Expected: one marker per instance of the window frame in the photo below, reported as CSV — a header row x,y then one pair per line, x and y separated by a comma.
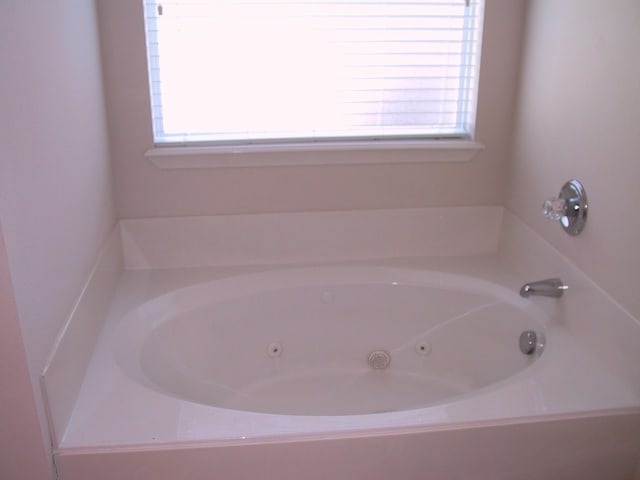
x,y
442,147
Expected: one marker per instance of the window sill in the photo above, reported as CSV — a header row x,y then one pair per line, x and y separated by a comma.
x,y
228,156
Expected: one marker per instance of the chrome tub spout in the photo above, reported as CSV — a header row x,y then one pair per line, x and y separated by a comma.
x,y
551,287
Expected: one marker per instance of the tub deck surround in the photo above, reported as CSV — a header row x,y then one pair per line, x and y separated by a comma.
x,y
66,368
587,448
581,395
114,410
305,237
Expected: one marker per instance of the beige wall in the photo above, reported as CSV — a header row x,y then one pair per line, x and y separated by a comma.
x,y
22,452
577,117
55,181
142,190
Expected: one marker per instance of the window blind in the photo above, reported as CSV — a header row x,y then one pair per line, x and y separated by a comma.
x,y
247,71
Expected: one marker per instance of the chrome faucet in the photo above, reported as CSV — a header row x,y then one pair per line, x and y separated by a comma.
x,y
551,287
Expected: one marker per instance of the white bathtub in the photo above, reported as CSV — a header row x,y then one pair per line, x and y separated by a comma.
x,y
196,363
251,371
305,341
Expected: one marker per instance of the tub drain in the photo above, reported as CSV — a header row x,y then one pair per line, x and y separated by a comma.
x,y
379,359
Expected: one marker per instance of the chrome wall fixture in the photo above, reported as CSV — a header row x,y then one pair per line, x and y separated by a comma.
x,y
570,207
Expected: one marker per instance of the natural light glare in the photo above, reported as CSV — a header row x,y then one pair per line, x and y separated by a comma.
x,y
250,70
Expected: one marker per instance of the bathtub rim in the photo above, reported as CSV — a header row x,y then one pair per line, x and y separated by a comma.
x,y
342,434
235,287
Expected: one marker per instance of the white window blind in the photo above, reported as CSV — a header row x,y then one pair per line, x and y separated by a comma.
x,y
247,71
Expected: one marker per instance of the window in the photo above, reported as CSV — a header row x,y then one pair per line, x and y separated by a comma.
x,y
258,71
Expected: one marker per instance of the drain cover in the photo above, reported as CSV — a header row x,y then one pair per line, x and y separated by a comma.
x,y
379,359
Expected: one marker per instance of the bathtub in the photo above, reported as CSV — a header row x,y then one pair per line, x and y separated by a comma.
x,y
329,341
395,367
269,362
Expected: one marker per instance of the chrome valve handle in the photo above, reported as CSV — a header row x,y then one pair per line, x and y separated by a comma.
x,y
570,207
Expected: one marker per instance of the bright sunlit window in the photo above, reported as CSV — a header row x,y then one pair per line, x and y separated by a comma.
x,y
258,71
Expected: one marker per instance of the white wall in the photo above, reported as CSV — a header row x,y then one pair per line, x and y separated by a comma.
x,y
55,181
142,190
577,117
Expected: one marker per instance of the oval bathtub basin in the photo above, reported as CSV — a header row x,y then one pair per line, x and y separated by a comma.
x,y
328,340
